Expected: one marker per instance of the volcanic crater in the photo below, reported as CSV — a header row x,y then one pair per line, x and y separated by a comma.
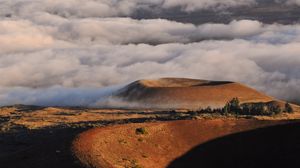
x,y
183,93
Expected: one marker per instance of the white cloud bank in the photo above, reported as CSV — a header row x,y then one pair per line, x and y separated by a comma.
x,y
267,67
109,8
45,32
59,53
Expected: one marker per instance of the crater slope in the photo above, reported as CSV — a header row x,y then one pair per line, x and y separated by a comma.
x,y
160,145
186,93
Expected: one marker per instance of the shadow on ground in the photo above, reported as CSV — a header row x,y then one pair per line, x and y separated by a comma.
x,y
276,146
51,147
47,148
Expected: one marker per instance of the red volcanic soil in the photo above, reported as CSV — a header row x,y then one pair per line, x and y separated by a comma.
x,y
186,93
120,146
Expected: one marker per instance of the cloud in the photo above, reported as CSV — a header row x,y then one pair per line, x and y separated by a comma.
x,y
24,35
58,96
291,2
237,60
109,8
65,52
193,5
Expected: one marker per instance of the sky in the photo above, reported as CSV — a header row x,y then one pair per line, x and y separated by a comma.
x,y
76,52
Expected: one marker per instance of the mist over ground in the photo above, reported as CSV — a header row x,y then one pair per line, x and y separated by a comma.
x,y
70,53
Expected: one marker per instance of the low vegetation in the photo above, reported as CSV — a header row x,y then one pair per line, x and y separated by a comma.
x,y
270,108
288,108
141,131
261,109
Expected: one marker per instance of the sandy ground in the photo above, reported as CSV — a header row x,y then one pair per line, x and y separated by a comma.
x,y
120,146
33,117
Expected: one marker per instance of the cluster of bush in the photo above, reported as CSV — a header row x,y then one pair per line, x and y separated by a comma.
x,y
235,107
270,108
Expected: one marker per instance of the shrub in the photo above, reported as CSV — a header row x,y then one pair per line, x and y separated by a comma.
x,y
274,109
192,114
288,108
226,109
208,109
233,106
141,131
246,109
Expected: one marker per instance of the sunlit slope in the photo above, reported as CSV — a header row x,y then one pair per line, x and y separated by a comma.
x,y
187,93
121,146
